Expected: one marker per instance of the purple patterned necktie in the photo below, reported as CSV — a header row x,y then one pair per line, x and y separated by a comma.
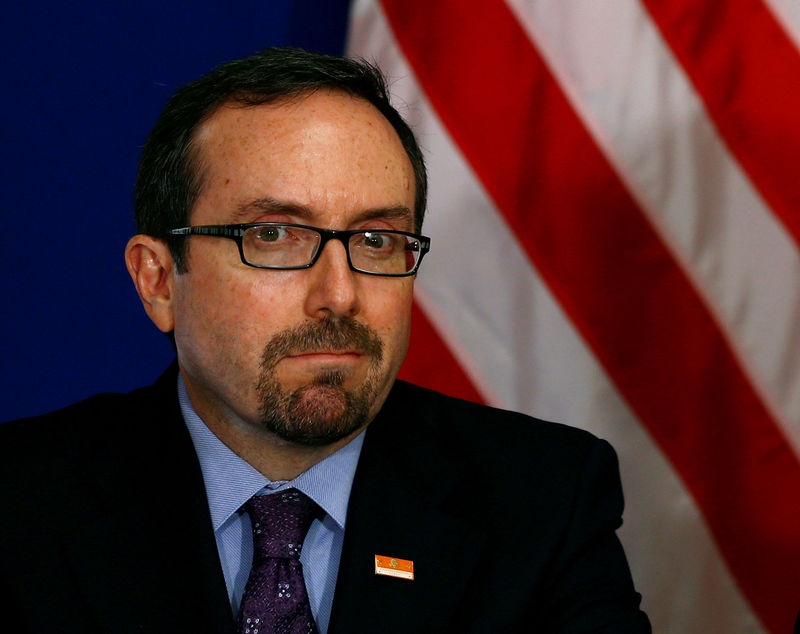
x,y
275,600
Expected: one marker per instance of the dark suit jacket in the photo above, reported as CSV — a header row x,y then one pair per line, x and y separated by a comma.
x,y
509,521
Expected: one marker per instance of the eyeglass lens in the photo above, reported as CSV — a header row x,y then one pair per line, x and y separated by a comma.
x,y
282,246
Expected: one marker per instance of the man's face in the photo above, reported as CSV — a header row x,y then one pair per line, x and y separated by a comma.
x,y
309,354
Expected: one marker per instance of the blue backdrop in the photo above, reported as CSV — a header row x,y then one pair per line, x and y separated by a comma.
x,y
83,84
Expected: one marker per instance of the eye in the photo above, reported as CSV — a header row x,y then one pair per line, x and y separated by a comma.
x,y
271,234
377,241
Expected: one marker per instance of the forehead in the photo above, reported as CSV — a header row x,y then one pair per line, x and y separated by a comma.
x,y
329,152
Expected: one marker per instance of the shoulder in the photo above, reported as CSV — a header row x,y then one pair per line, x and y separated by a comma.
x,y
63,436
99,406
504,454
490,431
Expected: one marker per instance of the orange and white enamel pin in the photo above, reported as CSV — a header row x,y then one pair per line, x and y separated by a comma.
x,y
394,567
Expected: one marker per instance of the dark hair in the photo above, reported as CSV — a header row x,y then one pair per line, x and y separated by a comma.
x,y
169,179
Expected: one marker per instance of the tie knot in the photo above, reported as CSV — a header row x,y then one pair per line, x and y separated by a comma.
x,y
280,522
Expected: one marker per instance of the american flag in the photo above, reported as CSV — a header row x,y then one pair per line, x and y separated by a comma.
x,y
615,219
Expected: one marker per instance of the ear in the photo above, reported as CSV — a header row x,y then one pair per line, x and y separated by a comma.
x,y
152,270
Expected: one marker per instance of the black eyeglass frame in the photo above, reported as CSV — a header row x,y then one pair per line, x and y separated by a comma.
x,y
236,232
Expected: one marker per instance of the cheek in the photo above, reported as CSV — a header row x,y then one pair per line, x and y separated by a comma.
x,y
230,317
203,327
400,349
392,320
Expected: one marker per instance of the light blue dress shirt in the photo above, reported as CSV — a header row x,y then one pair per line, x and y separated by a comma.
x,y
230,482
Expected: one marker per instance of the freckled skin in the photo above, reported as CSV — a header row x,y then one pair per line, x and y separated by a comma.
x,y
332,157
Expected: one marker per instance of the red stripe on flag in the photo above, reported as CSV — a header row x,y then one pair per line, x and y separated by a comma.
x,y
617,281
747,72
430,363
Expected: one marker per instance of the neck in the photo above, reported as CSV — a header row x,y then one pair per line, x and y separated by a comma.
x,y
272,456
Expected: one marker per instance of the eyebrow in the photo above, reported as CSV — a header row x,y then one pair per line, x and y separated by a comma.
x,y
270,205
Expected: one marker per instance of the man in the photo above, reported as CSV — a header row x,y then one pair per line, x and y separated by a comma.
x,y
279,203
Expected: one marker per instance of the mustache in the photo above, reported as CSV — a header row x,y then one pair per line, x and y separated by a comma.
x,y
344,333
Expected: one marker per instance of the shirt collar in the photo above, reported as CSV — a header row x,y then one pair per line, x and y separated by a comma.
x,y
230,481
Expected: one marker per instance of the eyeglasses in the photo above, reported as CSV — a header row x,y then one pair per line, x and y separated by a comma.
x,y
275,245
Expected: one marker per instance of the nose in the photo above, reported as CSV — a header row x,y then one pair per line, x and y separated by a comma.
x,y
333,286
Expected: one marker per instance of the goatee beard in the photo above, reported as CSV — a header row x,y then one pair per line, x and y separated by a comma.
x,y
322,411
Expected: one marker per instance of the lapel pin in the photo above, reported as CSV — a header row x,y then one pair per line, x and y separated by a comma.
x,y
394,567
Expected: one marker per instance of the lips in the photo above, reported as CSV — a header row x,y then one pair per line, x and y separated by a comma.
x,y
326,353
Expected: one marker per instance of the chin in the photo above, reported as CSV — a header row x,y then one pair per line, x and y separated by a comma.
x,y
320,413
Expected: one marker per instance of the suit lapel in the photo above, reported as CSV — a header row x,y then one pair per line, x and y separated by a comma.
x,y
401,506
144,519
